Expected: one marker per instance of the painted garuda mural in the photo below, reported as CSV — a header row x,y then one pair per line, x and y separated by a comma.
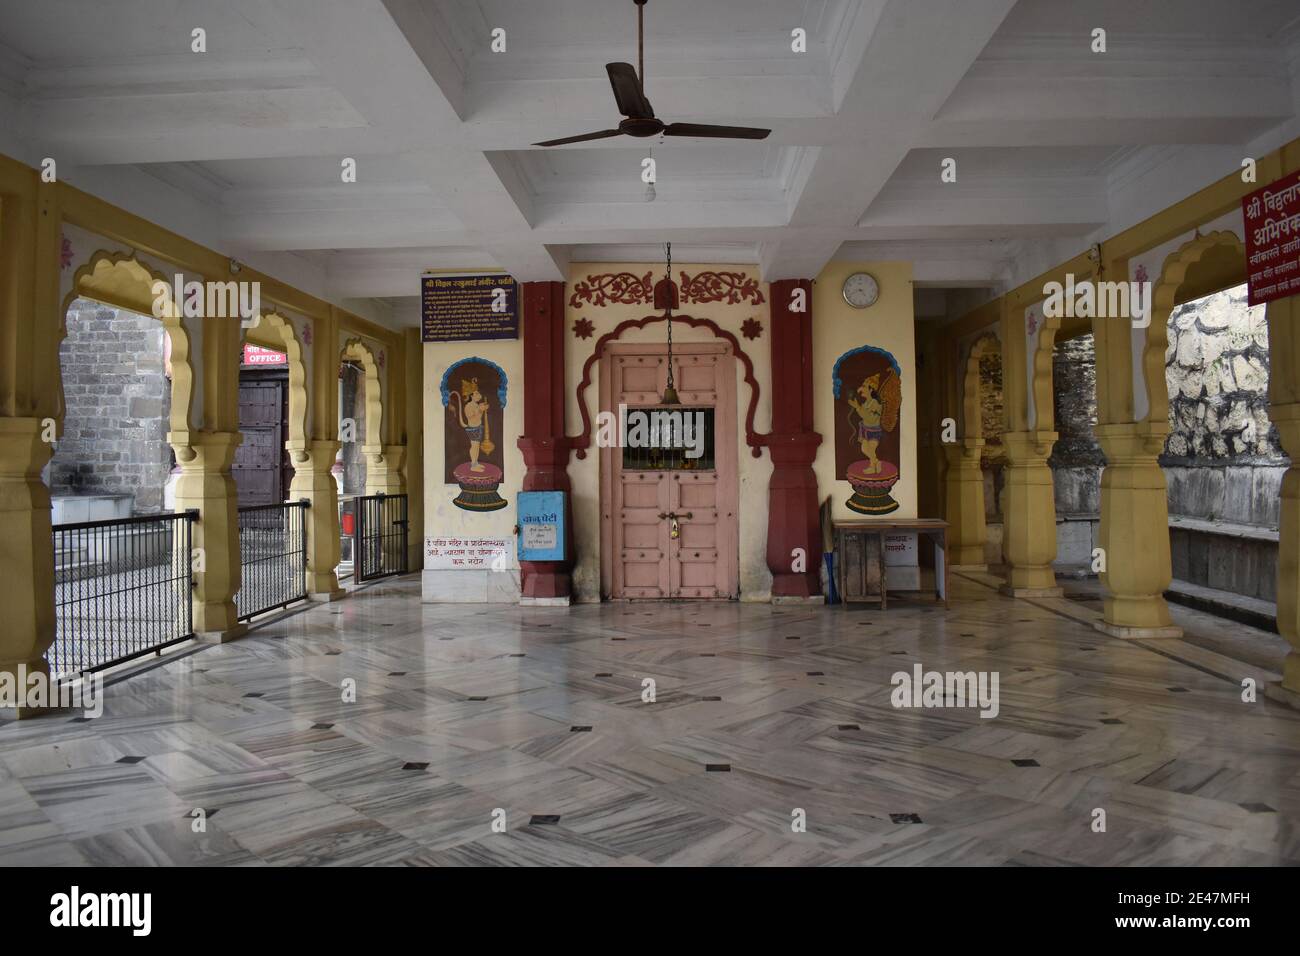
x,y
868,401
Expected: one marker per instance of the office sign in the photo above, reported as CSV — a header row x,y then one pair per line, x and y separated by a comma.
x,y
469,308
1272,219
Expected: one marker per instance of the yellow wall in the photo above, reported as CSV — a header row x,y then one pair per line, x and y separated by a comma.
x,y
838,328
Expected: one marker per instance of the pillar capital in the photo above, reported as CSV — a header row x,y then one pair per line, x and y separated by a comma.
x,y
1132,442
1028,447
964,450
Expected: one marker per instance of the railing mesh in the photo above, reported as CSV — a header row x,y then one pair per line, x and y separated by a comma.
x,y
272,557
122,588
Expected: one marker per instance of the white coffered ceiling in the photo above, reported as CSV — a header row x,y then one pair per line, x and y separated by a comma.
x,y
240,147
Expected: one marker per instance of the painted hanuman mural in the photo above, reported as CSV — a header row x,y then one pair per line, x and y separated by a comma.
x,y
474,396
868,399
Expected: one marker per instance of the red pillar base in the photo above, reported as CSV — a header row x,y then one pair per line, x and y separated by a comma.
x,y
794,538
547,459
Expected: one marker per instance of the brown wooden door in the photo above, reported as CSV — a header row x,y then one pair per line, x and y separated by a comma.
x,y
258,468
641,558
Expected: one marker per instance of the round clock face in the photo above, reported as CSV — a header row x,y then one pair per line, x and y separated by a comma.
x,y
861,290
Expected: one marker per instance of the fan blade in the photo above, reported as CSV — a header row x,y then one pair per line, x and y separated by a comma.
x,y
716,132
603,134
627,91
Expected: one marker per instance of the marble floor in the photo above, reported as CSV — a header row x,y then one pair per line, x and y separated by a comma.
x,y
762,717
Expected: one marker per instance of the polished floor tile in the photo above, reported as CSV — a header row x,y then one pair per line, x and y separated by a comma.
x,y
669,734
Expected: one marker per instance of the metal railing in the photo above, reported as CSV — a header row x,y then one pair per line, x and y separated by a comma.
x,y
379,546
272,557
122,588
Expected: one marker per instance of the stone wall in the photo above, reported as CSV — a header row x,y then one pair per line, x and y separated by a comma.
x,y
118,402
1216,370
352,404
1077,458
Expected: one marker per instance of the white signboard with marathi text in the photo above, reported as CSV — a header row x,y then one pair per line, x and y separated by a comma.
x,y
468,554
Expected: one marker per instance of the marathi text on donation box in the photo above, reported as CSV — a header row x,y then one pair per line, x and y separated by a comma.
x,y
541,526
1272,220
469,308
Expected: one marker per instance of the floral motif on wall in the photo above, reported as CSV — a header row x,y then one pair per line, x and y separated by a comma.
x,y
625,288
620,288
733,287
583,328
65,253
1031,322
1140,275
381,359
306,333
751,328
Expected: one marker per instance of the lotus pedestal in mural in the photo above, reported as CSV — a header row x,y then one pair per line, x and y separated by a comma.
x,y
871,490
478,489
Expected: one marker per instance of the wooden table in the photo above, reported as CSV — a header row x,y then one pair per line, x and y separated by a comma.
x,y
860,570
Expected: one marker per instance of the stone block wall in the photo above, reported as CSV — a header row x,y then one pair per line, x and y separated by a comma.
x,y
1216,370
118,401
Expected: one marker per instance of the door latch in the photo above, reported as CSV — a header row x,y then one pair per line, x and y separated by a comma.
x,y
676,531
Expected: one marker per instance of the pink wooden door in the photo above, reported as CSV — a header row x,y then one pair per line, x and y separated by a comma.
x,y
641,558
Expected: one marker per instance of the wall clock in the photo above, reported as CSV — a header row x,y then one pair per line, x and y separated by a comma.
x,y
861,290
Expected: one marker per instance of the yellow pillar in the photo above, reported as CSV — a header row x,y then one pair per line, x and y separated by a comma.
x,y
964,504
313,480
207,486
30,228
1287,420
1029,522
1284,412
26,549
1135,532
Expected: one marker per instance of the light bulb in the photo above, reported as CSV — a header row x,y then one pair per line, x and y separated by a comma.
x,y
650,192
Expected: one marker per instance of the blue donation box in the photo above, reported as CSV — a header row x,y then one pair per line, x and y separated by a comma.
x,y
542,532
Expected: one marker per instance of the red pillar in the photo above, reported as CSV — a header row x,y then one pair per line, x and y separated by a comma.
x,y
544,447
792,519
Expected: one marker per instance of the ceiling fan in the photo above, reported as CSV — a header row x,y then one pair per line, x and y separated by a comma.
x,y
629,94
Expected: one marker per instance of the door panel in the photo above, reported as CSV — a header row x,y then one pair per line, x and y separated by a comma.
x,y
647,562
258,465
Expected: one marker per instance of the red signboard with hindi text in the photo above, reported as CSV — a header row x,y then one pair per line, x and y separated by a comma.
x,y
1272,218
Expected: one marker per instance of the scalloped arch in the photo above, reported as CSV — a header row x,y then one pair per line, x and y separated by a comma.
x,y
274,330
357,350
1164,297
972,425
121,280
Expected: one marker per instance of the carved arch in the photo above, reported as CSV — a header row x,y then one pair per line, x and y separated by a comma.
x,y
356,350
972,425
1223,257
121,280
582,442
1040,387
275,331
